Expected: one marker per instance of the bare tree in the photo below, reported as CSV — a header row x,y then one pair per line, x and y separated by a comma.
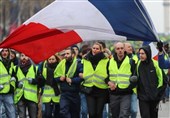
x,y
26,9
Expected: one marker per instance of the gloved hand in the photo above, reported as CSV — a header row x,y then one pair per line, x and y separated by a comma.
x,y
133,79
20,84
30,80
12,79
1,87
160,46
133,82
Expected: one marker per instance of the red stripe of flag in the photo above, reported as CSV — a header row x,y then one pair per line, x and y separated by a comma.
x,y
40,41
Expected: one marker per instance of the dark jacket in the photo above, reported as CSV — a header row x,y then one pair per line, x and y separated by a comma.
x,y
147,78
163,63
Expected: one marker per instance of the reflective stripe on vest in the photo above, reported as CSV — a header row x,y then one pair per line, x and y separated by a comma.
x,y
120,76
48,93
4,78
61,68
95,77
29,90
72,69
4,75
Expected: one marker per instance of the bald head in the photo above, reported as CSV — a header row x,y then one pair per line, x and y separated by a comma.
x,y
128,48
119,49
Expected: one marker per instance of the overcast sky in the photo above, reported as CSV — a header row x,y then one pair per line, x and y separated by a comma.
x,y
155,10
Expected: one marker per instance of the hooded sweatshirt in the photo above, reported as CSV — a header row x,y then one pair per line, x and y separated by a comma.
x,y
148,80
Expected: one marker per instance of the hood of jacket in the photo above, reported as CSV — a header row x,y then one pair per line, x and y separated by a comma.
x,y
148,52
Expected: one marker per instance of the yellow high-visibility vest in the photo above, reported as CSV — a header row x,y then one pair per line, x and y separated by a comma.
x,y
5,78
135,57
95,77
120,76
28,90
61,67
48,93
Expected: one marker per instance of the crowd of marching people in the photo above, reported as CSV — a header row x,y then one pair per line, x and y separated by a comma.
x,y
91,82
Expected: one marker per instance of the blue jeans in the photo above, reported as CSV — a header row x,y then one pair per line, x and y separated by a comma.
x,y
134,105
2,111
105,111
167,92
8,102
84,111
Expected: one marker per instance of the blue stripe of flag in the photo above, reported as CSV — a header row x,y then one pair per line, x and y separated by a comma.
x,y
126,18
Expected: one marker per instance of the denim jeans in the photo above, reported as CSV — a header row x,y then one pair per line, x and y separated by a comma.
x,y
167,92
8,102
106,111
84,111
134,105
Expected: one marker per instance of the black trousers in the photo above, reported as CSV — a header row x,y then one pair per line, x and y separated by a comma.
x,y
120,105
23,104
95,103
52,110
148,109
70,105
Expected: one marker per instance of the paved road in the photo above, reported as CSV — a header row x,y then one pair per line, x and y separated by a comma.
x,y
164,110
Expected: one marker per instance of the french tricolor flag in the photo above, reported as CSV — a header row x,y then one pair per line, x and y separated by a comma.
x,y
67,22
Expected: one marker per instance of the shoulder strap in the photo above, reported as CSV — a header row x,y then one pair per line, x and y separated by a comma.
x,y
133,65
108,63
16,70
34,69
40,67
130,61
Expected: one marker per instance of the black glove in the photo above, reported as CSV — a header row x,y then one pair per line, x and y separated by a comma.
x,y
133,82
160,46
32,81
20,84
133,79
